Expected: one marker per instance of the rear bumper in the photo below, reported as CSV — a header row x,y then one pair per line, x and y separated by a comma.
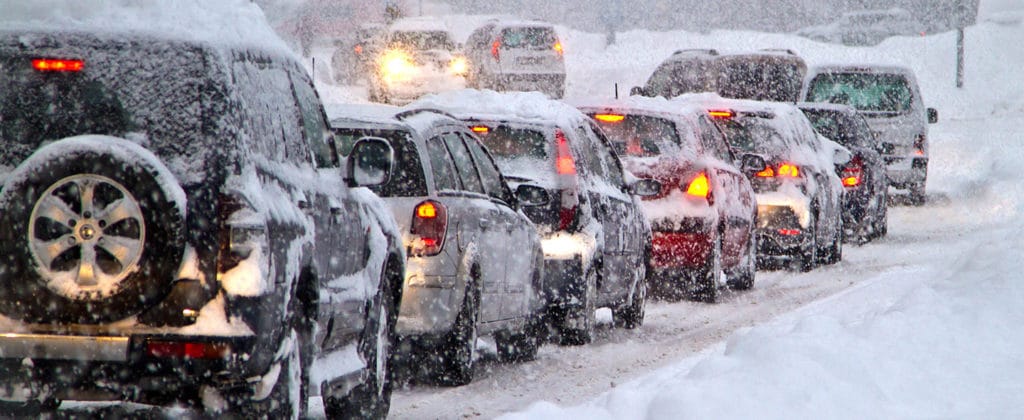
x,y
680,249
121,368
564,282
905,172
771,244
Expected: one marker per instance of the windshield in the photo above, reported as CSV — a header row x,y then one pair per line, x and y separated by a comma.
x,y
839,128
639,135
420,41
760,79
753,135
864,91
147,92
530,37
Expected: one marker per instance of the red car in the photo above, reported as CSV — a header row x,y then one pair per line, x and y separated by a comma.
x,y
703,219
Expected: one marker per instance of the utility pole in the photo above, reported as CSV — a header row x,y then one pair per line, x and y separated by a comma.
x,y
960,57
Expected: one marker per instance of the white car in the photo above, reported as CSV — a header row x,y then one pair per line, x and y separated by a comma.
x,y
517,56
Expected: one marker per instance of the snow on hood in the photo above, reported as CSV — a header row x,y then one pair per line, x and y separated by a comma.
x,y
231,22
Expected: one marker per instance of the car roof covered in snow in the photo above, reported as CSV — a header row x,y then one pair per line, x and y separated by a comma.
x,y
413,118
658,106
230,23
502,106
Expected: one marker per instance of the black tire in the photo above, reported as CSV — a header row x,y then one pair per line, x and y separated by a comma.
x,y
835,252
704,281
372,399
282,402
917,196
459,346
583,316
521,346
743,277
882,220
807,258
154,227
33,409
631,315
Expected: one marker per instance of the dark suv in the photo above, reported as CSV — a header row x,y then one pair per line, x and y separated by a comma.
x,y
177,231
766,75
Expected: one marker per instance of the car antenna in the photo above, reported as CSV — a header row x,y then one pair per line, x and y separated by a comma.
x,y
312,73
616,90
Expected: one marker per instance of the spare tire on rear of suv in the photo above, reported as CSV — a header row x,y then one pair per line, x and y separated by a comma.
x,y
92,232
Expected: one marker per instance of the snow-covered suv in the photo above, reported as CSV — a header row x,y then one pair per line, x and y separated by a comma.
x,y
177,231
516,55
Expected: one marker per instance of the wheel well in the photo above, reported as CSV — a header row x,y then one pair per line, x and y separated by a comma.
x,y
395,274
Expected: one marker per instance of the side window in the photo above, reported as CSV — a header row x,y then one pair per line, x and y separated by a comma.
x,y
463,163
271,117
313,125
590,160
441,165
713,140
489,173
604,152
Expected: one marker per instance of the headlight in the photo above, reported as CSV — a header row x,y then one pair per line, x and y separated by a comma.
x,y
395,65
458,66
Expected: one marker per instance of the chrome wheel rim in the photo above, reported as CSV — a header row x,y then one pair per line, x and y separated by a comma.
x,y
86,234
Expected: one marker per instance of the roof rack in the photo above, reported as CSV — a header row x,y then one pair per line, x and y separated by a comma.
x,y
708,51
780,50
408,113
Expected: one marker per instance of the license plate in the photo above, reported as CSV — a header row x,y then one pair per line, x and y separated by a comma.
x,y
529,61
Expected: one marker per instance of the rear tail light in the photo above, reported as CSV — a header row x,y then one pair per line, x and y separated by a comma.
x,y
480,129
853,172
358,49
720,113
609,118
429,227
566,217
565,164
48,64
700,186
187,350
558,48
242,232
495,47
767,172
789,170
919,145
789,232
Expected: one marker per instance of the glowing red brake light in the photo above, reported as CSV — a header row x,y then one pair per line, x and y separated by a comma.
x,y
853,172
919,145
358,49
789,170
789,232
46,64
495,47
721,113
767,172
609,118
188,350
565,164
699,186
481,129
430,225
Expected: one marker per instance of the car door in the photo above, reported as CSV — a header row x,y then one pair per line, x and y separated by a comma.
x,y
480,221
519,262
623,226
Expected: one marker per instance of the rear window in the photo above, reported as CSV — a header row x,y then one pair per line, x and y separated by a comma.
x,y
421,40
120,89
639,135
407,178
839,128
762,80
864,91
529,37
679,77
753,135
508,143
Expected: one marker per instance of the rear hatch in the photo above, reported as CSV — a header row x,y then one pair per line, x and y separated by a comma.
x,y
530,50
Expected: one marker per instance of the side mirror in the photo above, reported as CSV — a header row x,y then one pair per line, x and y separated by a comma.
x,y
933,116
751,163
532,195
645,188
370,162
841,156
637,91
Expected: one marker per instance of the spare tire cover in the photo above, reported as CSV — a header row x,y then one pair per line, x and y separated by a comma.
x,y
92,232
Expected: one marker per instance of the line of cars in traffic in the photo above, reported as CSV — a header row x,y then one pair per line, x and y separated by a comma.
x,y
236,248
